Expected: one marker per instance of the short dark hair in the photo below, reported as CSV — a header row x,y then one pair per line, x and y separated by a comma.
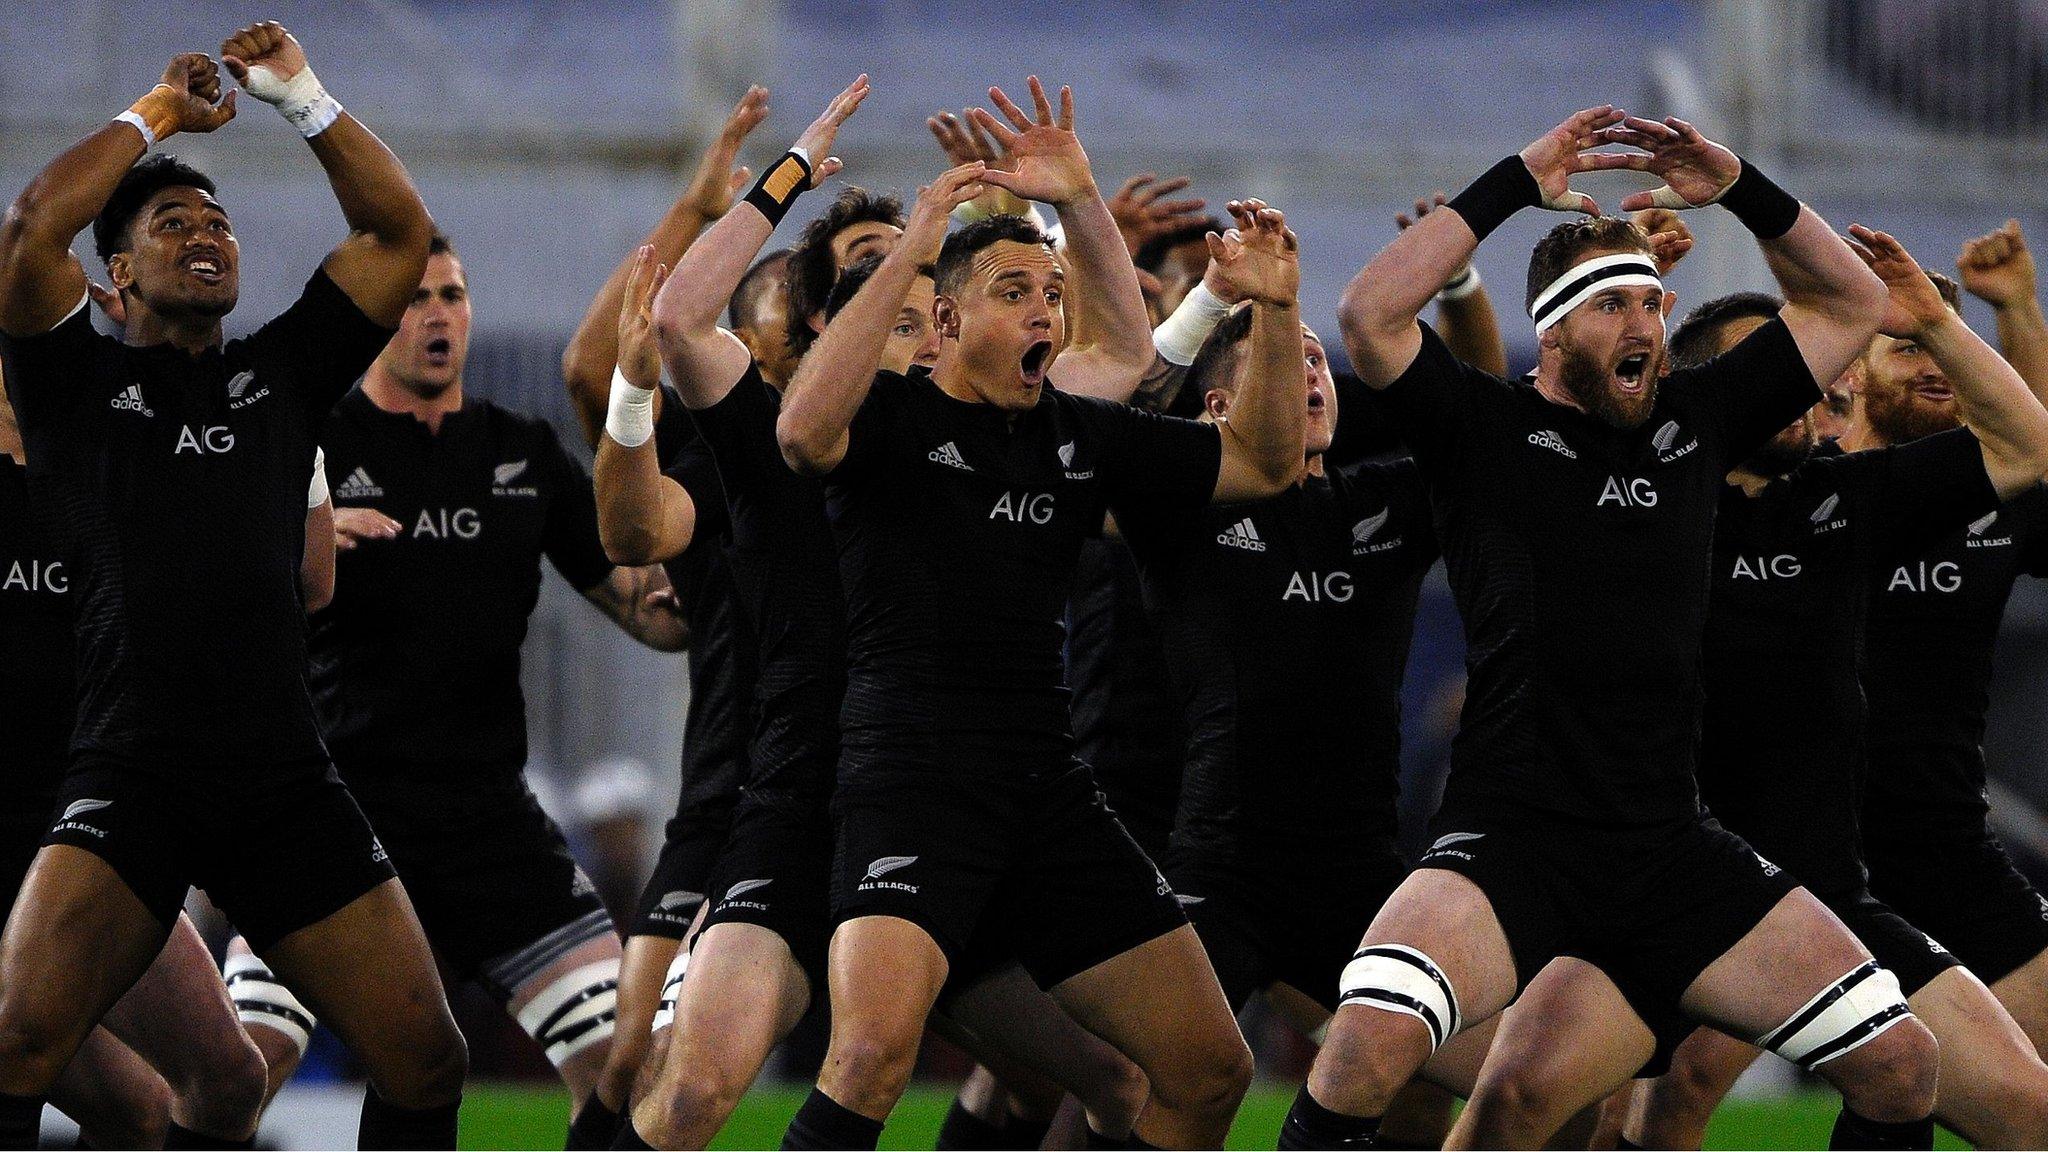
x,y
1216,363
1564,245
956,257
1698,338
1151,255
138,184
851,280
753,288
811,271
441,245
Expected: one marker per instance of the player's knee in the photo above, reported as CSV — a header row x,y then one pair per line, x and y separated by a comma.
x,y
36,1042
1119,1093
433,1069
136,1118
225,1092
1361,1067
875,1066
1523,1091
1893,1077
1205,1079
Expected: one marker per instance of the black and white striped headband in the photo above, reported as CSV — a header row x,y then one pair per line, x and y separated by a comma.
x,y
1580,281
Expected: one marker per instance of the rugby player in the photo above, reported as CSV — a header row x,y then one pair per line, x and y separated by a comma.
x,y
447,503
714,755
1781,758
1934,619
960,499
177,463
1573,866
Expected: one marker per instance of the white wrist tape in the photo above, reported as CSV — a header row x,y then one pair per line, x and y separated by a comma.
x,y
316,493
301,100
1180,335
1461,286
629,419
133,117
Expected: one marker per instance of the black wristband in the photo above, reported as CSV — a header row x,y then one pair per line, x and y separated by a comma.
x,y
1505,189
779,186
1764,208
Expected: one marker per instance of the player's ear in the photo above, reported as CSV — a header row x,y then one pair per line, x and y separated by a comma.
x,y
946,317
119,274
1670,303
1216,402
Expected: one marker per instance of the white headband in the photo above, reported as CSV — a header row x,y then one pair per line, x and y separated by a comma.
x,y
1580,281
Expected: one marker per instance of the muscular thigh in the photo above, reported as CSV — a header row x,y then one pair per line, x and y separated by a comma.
x,y
1796,951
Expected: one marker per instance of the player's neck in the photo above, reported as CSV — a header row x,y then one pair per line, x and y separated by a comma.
x,y
10,436
1310,466
191,335
1548,387
389,393
1861,437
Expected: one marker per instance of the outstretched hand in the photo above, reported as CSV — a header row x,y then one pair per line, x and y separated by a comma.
x,y
1916,304
1142,211
1260,258
817,139
717,182
964,142
1563,152
1997,268
194,102
1048,163
1695,170
639,352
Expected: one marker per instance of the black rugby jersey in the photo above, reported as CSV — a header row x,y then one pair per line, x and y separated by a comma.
x,y
959,527
1934,621
38,653
1781,750
1287,623
721,655
1578,555
179,483
1127,723
786,581
415,663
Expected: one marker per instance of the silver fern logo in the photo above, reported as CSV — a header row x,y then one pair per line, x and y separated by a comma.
x,y
1826,509
1978,527
888,864
1666,436
676,901
746,886
79,808
506,473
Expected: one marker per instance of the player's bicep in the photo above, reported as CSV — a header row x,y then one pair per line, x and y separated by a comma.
x,y
1381,359
380,279
1827,345
39,290
1092,372
1238,478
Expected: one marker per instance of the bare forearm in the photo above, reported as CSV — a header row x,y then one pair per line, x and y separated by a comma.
x,y
1471,331
1379,308
819,405
2023,339
1267,414
376,195
1109,303
1816,271
638,514
1995,402
39,278
594,349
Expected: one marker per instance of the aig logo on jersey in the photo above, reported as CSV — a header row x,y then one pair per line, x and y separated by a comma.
x,y
1362,534
1018,507
205,440
504,474
36,576
1668,436
1627,492
1974,536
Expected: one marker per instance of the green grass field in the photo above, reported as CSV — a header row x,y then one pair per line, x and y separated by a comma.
x,y
497,1116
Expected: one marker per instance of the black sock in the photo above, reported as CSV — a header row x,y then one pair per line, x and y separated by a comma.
x,y
1310,1125
180,1137
1138,1145
594,1127
1022,1132
825,1123
1096,1140
21,1120
966,1132
1624,1144
1853,1131
630,1139
386,1125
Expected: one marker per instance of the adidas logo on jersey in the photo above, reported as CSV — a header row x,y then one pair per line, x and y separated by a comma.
x,y
1241,535
358,486
1976,531
1551,440
130,400
949,455
1363,532
882,867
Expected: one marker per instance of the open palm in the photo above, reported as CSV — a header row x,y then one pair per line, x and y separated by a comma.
x,y
1044,155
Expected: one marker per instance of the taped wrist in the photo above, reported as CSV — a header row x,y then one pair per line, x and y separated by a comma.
x,y
316,492
780,185
1462,285
1504,189
1764,208
629,418
1179,337
154,114
301,100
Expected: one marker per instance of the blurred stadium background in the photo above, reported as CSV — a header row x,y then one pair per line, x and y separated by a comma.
x,y
548,136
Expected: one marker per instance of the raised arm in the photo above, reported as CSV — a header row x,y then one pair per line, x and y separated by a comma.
x,y
1263,434
1378,311
40,280
380,264
1464,310
1999,270
1832,301
1111,350
704,361
643,517
593,350
819,405
1992,399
